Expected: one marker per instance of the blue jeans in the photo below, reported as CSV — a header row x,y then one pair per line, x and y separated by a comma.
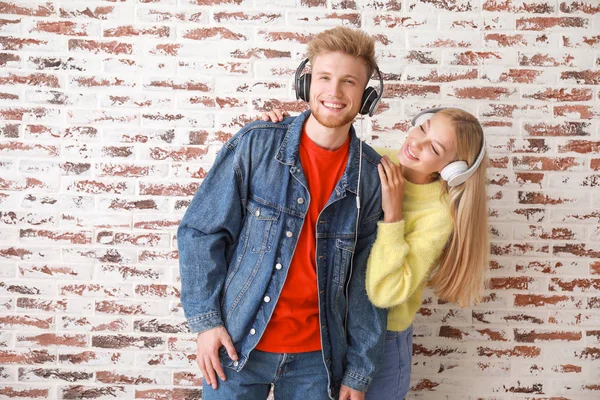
x,y
392,380
294,376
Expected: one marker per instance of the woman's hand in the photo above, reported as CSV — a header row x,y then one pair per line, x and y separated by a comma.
x,y
392,189
275,115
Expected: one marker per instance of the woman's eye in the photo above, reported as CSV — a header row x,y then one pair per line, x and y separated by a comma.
x,y
435,151
421,126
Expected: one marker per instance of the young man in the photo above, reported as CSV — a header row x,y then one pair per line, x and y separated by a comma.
x,y
273,247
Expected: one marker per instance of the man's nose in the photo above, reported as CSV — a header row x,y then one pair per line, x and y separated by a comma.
x,y
336,88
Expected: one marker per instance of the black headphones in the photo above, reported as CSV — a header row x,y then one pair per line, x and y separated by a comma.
x,y
370,99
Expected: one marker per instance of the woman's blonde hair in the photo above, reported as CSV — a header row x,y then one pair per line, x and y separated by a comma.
x,y
460,276
353,42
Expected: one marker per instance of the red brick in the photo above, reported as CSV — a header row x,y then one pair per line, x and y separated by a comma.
x,y
578,111
517,40
187,378
536,336
560,94
98,47
95,324
516,352
138,31
574,285
36,79
29,44
157,291
68,28
584,77
55,236
477,58
93,392
282,36
484,93
52,374
178,154
165,189
17,391
160,326
580,41
410,91
547,301
132,239
578,250
128,342
131,307
549,23
513,249
214,33
148,377
95,290
52,340
580,146
517,6
158,257
553,198
462,334
100,82
577,6
554,233
10,60
254,17
509,317
260,53
29,9
96,358
552,59
54,306
26,357
535,163
100,12
29,114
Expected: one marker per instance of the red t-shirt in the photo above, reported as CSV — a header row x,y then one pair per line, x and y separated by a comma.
x,y
294,326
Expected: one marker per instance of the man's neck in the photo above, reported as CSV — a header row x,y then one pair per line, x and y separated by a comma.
x,y
326,138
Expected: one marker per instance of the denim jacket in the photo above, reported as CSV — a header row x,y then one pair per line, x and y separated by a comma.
x,y
238,236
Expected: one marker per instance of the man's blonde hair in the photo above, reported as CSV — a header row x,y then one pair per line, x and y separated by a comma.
x,y
353,42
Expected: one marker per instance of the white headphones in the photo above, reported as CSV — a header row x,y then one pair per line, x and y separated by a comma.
x,y
457,172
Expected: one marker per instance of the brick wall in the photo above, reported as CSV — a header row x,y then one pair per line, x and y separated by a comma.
x,y
113,111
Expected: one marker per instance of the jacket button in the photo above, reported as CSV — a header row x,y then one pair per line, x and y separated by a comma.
x,y
236,363
278,266
252,331
267,299
300,200
289,234
257,213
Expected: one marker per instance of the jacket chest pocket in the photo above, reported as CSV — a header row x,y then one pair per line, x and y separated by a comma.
x,y
344,251
261,226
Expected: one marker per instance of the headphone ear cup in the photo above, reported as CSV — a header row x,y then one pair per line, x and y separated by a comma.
x,y
454,173
303,87
368,98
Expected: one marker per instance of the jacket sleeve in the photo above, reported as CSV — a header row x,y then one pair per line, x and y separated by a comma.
x,y
210,225
366,324
400,262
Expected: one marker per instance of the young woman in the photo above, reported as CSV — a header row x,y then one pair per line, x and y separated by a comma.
x,y
434,231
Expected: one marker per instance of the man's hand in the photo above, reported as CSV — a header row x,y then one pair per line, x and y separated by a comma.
x,y
207,355
350,394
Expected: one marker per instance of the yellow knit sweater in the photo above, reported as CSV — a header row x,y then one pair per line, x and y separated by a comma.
x,y
405,252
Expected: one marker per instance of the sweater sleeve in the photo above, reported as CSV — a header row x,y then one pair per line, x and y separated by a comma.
x,y
399,262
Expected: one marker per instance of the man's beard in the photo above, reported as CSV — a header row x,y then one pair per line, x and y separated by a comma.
x,y
332,121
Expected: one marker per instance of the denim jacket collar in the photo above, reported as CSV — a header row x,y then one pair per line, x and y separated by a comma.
x,y
288,154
